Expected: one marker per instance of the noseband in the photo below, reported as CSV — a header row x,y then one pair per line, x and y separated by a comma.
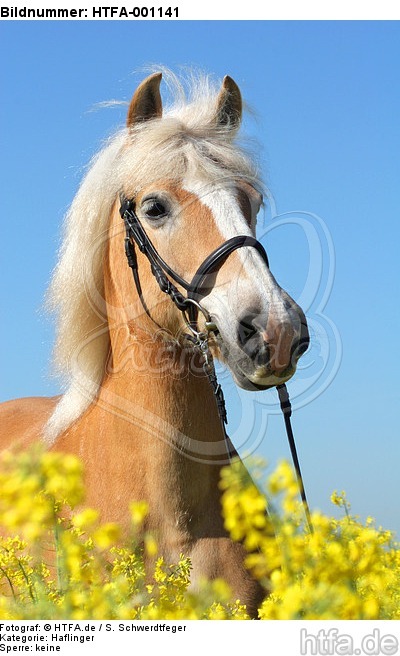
x,y
189,306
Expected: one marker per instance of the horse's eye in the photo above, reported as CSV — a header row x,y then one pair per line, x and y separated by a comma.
x,y
250,201
154,208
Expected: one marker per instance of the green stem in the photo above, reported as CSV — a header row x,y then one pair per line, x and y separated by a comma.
x,y
9,582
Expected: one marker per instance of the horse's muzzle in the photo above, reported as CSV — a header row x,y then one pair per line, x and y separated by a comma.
x,y
275,350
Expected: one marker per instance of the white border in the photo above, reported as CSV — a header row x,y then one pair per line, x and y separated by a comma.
x,y
274,637
223,9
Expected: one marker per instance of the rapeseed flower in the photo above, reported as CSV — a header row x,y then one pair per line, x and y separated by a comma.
x,y
58,562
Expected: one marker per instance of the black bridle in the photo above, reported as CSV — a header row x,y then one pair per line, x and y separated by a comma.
x,y
189,306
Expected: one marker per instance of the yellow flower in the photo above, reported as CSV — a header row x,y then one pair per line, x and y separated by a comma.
x,y
150,544
67,565
139,511
86,519
107,535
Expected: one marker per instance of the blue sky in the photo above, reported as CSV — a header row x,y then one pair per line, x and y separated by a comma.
x,y
326,101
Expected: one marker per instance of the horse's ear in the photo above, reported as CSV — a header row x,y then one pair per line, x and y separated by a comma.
x,y
146,101
229,104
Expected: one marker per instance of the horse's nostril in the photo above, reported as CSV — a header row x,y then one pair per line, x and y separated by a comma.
x,y
302,344
302,347
246,330
304,340
271,343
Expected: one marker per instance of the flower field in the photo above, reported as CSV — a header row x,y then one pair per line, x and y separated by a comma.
x,y
59,563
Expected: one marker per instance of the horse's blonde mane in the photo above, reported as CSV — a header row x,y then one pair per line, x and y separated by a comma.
x,y
187,139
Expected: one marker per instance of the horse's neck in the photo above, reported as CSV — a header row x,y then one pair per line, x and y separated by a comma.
x,y
159,382
158,421
160,388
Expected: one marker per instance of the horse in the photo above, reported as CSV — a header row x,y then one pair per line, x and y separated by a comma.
x,y
137,406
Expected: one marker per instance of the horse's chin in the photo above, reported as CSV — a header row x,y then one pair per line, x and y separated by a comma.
x,y
244,373
258,381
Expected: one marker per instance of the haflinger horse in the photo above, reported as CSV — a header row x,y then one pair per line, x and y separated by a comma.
x,y
138,408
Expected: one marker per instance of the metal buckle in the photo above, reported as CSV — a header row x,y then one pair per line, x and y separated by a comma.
x,y
189,323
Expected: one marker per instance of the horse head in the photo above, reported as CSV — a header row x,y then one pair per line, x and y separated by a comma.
x,y
193,189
